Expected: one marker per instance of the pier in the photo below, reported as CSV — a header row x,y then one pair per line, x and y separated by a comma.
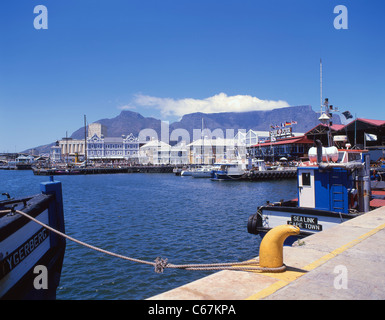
x,y
248,176
103,170
344,262
271,174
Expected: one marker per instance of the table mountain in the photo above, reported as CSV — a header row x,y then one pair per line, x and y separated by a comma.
x,y
132,122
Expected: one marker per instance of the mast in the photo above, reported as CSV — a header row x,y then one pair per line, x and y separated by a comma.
x,y
203,144
325,114
67,153
320,67
85,140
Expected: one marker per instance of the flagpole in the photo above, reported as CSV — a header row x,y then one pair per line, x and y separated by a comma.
x,y
355,131
320,63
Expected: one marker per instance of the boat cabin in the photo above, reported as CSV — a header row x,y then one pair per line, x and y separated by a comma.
x,y
337,181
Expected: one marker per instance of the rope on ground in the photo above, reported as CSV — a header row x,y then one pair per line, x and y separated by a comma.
x,y
161,264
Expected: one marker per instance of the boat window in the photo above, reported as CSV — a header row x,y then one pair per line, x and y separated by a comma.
x,y
306,179
354,156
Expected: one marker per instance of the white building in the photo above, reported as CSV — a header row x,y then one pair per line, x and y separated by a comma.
x,y
179,154
251,137
71,147
113,148
96,128
55,153
25,159
210,151
74,148
155,152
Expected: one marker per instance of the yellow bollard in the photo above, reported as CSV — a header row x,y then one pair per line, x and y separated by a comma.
x,y
271,249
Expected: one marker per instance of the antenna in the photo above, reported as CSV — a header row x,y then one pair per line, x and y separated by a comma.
x,y
85,140
320,68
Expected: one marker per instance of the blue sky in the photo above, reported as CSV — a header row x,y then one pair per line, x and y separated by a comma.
x,y
165,58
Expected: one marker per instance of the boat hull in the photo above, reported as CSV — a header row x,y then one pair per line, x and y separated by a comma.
x,y
201,175
32,256
310,221
224,176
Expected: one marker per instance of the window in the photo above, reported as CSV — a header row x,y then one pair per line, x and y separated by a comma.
x,y
354,156
306,179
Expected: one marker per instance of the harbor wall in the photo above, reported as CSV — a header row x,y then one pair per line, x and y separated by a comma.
x,y
95,170
342,263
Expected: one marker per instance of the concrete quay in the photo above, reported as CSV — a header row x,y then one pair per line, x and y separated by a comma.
x,y
103,170
345,262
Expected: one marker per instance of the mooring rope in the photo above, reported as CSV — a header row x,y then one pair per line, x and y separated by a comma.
x,y
161,264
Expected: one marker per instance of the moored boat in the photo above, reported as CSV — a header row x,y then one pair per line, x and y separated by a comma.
x,y
333,186
186,172
202,172
177,171
229,171
31,256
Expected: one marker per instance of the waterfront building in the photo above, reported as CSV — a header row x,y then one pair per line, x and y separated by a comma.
x,y
251,137
366,134
360,134
113,148
290,148
96,128
321,130
25,159
155,152
55,153
179,154
8,156
210,151
269,145
71,148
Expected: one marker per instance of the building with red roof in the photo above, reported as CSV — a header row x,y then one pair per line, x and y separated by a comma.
x,y
360,133
357,129
290,148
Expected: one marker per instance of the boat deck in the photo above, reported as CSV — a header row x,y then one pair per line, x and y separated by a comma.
x,y
344,262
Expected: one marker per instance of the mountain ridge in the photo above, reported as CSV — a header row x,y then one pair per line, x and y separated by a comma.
x,y
133,122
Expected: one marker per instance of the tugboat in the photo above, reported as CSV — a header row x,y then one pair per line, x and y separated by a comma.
x,y
333,186
31,256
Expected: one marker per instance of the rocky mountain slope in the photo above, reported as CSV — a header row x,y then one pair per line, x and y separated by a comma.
x,y
132,122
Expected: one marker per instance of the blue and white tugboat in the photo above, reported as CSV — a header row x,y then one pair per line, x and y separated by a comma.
x,y
31,256
333,186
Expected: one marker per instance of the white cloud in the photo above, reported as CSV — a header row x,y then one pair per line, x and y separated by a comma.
x,y
217,103
127,107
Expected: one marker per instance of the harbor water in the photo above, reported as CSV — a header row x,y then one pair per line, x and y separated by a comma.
x,y
146,216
